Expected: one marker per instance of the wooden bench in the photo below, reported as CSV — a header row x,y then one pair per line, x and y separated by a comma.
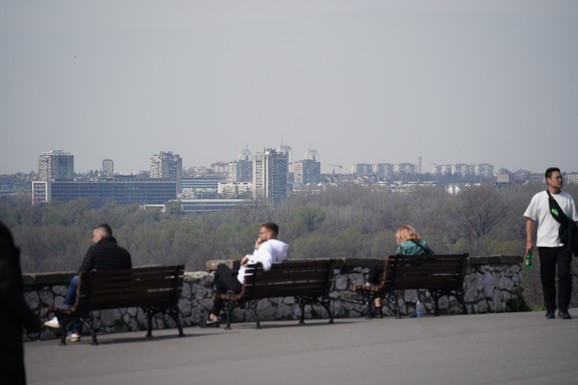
x,y
308,281
441,275
155,289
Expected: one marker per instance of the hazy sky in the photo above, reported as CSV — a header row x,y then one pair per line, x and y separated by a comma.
x,y
359,81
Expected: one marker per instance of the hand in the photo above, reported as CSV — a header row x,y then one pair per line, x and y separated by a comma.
x,y
529,247
258,243
244,260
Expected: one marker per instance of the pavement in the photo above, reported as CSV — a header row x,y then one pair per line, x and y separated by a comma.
x,y
504,348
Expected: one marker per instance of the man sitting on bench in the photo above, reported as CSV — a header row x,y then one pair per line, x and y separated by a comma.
x,y
268,251
104,254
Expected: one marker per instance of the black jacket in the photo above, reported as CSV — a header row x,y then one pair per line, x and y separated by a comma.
x,y
105,255
14,312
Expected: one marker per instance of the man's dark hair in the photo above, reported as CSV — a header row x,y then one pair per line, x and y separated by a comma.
x,y
106,228
550,171
271,227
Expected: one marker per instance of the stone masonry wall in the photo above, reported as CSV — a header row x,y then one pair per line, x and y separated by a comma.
x,y
492,284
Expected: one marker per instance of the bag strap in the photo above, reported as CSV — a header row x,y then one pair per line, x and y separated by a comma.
x,y
425,250
555,210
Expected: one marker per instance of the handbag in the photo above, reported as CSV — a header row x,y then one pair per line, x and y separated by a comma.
x,y
568,231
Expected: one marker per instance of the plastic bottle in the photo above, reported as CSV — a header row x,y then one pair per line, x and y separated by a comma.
x,y
528,260
419,309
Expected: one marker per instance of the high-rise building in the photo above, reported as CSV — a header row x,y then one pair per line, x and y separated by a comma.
x,y
167,165
361,169
383,170
270,170
244,154
404,169
241,169
485,170
56,165
107,167
308,170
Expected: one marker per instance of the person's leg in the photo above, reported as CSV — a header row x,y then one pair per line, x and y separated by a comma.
x,y
564,260
548,257
69,300
374,278
225,280
71,291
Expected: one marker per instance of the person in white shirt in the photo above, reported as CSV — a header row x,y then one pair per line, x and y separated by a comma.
x,y
268,251
555,253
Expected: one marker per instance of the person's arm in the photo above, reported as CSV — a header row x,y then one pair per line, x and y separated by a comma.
x,y
263,255
88,262
530,226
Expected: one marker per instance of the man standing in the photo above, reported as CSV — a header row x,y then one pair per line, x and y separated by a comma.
x,y
268,251
555,253
104,254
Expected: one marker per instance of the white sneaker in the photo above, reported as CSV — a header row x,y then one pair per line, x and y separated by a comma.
x,y
73,337
53,323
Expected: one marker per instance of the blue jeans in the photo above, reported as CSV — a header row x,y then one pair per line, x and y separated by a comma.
x,y
69,300
71,291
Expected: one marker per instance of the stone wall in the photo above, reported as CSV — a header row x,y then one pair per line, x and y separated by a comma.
x,y
492,284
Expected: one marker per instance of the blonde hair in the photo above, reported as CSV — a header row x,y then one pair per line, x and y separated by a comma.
x,y
406,233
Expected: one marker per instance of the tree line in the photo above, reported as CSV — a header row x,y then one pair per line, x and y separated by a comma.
x,y
347,221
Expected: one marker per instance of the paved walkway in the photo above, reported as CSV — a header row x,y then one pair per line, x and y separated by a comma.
x,y
508,348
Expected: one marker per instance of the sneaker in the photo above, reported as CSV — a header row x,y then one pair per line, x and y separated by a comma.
x,y
53,323
212,322
73,337
564,314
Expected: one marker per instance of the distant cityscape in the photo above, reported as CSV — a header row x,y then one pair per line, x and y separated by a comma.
x,y
270,176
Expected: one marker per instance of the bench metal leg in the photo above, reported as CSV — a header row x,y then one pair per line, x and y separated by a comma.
x,y
324,301
253,307
172,312
228,308
88,321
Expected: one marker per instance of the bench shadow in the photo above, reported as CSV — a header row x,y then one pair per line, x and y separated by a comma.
x,y
287,324
108,339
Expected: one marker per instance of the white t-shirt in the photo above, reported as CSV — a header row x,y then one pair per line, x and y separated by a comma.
x,y
539,211
271,252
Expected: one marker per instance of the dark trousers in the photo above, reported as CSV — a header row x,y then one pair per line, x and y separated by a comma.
x,y
225,280
375,274
556,261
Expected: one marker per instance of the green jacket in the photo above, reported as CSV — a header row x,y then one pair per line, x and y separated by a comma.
x,y
414,248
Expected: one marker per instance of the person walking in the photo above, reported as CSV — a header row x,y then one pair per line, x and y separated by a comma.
x,y
555,253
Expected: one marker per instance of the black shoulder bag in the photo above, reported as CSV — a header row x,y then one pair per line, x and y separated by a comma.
x,y
568,231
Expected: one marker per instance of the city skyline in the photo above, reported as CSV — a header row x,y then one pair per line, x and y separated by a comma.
x,y
153,169
364,81
157,171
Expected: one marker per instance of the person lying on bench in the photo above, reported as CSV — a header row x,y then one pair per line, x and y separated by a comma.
x,y
268,251
104,254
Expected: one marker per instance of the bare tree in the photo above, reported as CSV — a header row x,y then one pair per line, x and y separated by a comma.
x,y
478,210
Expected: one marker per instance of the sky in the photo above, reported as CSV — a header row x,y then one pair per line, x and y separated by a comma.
x,y
359,81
